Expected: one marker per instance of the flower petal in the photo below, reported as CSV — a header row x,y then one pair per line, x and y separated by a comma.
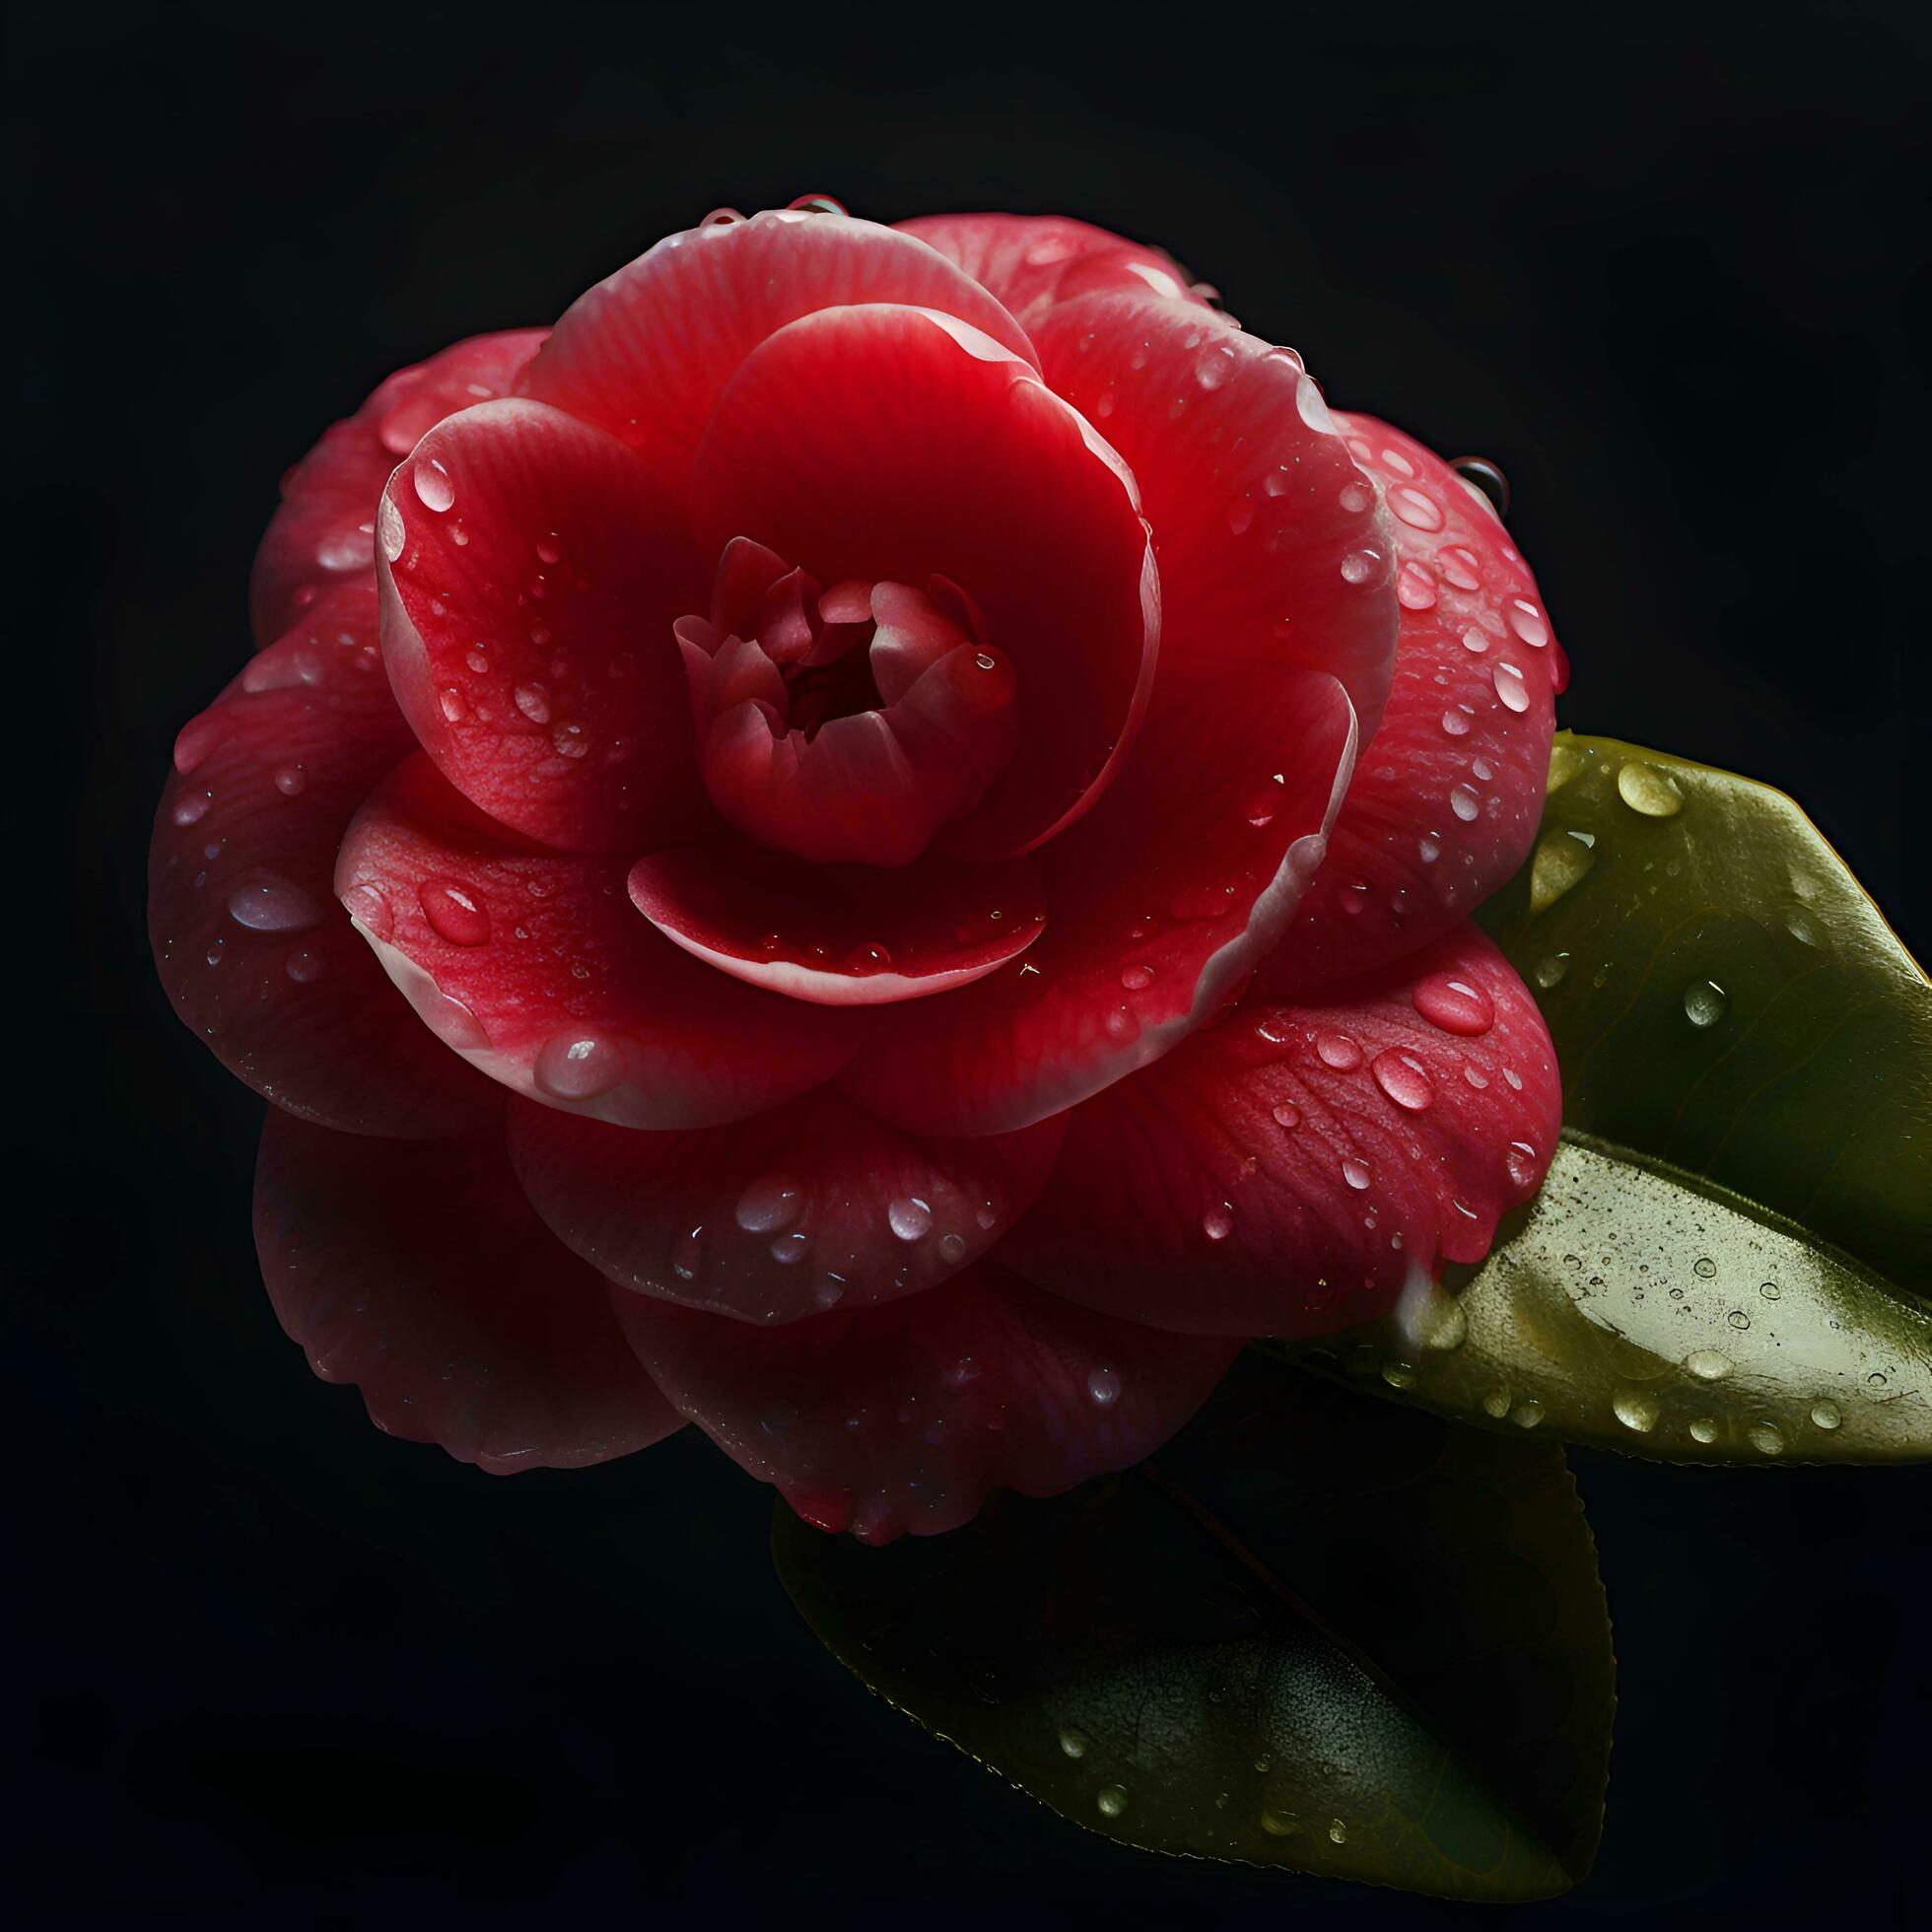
x,y
1445,803
1272,546
538,969
646,353
1291,1170
1160,903
840,936
423,1276
531,570
1030,263
323,533
259,959
809,1205
904,1417
900,444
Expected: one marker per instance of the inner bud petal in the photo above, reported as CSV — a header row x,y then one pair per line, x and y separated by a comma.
x,y
848,724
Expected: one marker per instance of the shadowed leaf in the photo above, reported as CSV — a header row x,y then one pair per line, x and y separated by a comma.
x,y
1313,1633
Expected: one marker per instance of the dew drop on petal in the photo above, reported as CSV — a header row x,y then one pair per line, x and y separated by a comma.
x,y
1357,1173
267,904
432,486
768,1205
578,1066
908,1218
1526,622
454,912
1464,802
1338,1051
1647,789
1510,688
1103,1386
1416,508
1218,1222
1704,1002
1457,1005
1402,1078
1414,588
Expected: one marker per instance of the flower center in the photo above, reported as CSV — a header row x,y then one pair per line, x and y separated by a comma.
x,y
844,724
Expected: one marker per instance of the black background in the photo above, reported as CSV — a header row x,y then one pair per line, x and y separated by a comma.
x,y
1669,267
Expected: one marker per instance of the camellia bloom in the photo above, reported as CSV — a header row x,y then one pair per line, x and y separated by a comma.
x,y
869,844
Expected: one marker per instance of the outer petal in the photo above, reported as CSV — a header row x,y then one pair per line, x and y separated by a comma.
x,y
1292,1169
841,936
646,353
531,570
538,969
1033,261
257,956
788,1213
422,1275
903,1418
899,443
323,535
1272,546
1160,904
1446,805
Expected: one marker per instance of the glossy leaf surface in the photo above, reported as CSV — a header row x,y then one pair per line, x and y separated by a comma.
x,y
1313,1632
1730,1257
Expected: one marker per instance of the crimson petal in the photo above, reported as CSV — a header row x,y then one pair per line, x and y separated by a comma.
x,y
1272,549
1445,803
1033,261
904,1417
798,1210
886,443
323,533
422,1275
259,959
646,353
1291,1170
536,968
531,570
840,936
1160,903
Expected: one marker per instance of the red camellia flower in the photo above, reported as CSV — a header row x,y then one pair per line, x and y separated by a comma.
x,y
869,844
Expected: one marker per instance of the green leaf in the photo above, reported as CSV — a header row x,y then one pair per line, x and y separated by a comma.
x,y
1725,998
1313,1633
1728,1260
1634,1307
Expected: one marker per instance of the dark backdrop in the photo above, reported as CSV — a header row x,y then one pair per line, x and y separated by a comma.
x,y
1667,267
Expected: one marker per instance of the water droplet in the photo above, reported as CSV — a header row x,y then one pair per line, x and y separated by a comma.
x,y
347,550
1414,588
1474,1076
1707,1364
265,904
1766,1439
1311,408
367,906
1483,480
1827,1415
1428,850
1240,513
1527,1414
1738,1319
908,1218
1559,863
1646,790
1495,1404
389,532
578,1066
1338,1051
817,204
1703,1429
1526,620
1416,508
768,1205
191,808
1464,802
1279,1825
1357,1173
952,1248
1338,1831
1358,495
1510,688
1461,566
534,703
304,967
1074,1743
568,741
1287,1115
453,707
1457,719
1402,1078
1705,1266
1635,1410
454,912
289,779
1112,1800
1474,640
1769,1290
1551,969
432,486
1136,979
1704,1002
1103,1387
1358,566
1399,1376
1274,1027
1520,1164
